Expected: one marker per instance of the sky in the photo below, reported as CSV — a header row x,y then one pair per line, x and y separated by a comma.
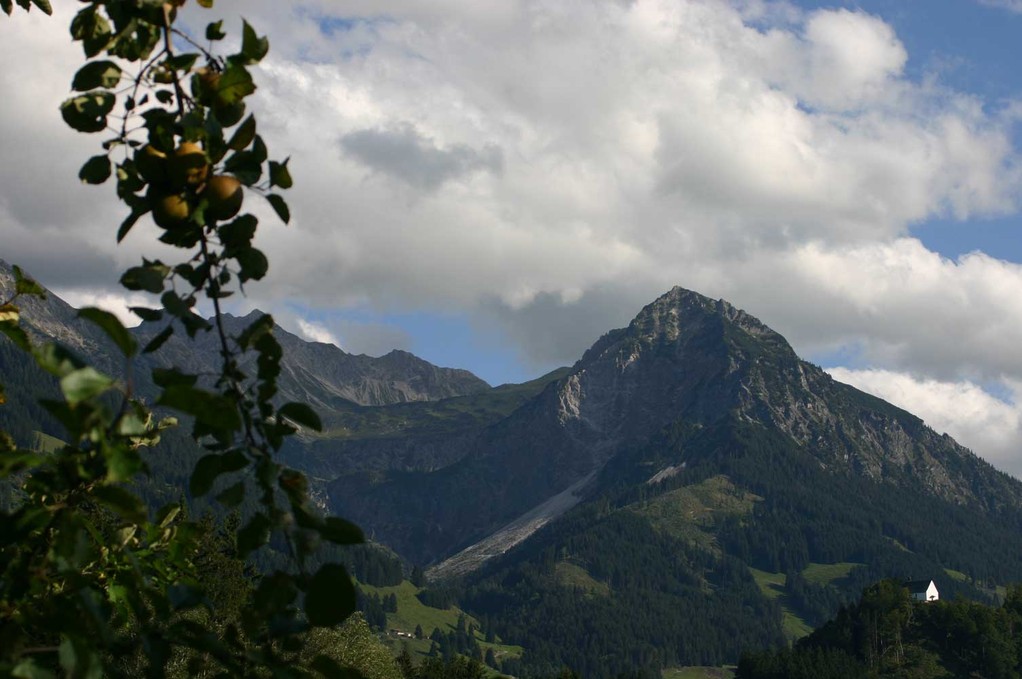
x,y
493,185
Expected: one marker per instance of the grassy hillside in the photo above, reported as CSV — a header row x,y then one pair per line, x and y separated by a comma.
x,y
828,573
692,513
772,586
411,612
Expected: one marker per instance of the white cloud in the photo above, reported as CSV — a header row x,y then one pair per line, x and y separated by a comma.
x,y
854,58
547,167
117,304
315,332
970,415
898,304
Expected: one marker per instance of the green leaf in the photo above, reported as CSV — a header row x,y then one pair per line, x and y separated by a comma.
x,y
148,278
341,532
213,410
279,206
182,62
148,315
96,170
254,264
215,31
211,466
296,486
130,221
83,384
92,29
254,535
301,413
166,514
7,6
330,597
23,285
113,328
255,331
122,463
166,377
229,114
259,151
130,424
14,460
44,5
233,495
155,343
253,48
238,234
88,112
245,166
206,470
57,360
27,669
122,501
275,593
105,74
235,84
279,175
244,135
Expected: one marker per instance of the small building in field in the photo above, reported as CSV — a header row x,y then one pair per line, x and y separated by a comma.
x,y
922,590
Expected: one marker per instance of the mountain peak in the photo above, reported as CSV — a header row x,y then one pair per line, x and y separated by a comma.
x,y
678,307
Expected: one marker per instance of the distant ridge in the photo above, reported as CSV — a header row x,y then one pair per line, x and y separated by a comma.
x,y
320,374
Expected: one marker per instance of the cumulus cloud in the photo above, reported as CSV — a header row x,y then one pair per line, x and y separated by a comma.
x,y
546,168
974,418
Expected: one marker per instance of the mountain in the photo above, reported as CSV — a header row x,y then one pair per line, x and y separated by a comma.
x,y
327,378
685,369
322,375
345,389
690,489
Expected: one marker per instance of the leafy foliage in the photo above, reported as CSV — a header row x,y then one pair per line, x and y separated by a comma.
x,y
886,634
91,581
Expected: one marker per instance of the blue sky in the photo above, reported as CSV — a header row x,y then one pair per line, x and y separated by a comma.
x,y
493,185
